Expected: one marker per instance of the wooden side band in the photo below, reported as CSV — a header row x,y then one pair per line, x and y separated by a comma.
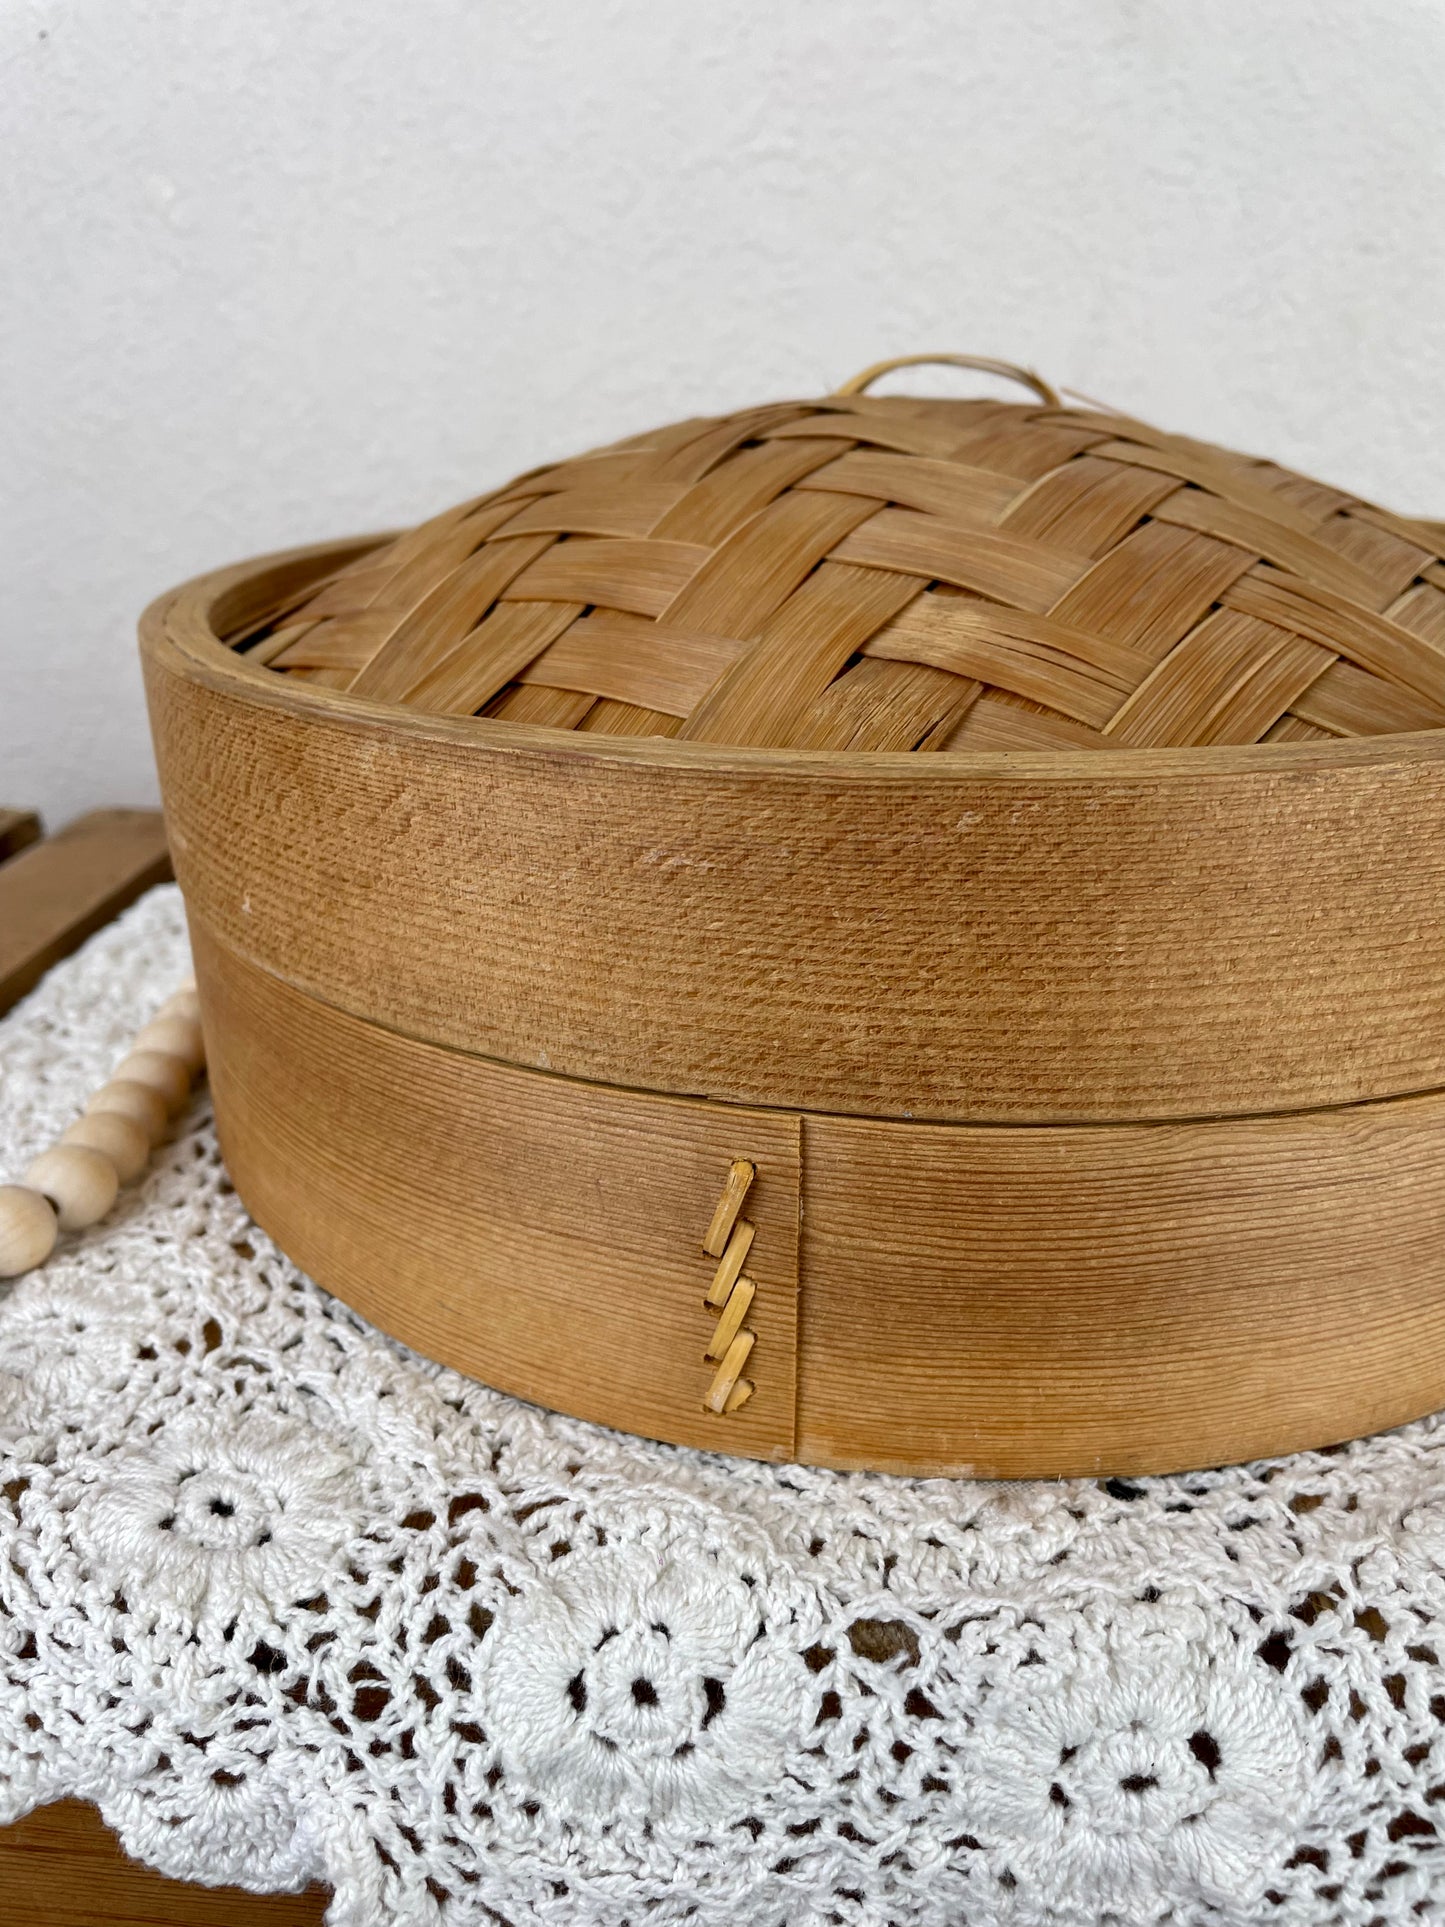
x,y
537,1233
985,936
1007,1302
1139,1298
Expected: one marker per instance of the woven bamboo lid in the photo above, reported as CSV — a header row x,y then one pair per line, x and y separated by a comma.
x,y
891,573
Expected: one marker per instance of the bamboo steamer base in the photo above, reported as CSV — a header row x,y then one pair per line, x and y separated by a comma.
x,y
998,1301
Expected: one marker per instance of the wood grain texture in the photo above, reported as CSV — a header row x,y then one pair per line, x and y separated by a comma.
x,y
62,1866
1013,1302
544,1235
59,891
1029,1303
1055,936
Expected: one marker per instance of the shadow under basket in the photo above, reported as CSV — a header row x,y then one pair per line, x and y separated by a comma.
x,y
887,933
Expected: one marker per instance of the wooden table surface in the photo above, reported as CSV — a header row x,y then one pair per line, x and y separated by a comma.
x,y
62,1866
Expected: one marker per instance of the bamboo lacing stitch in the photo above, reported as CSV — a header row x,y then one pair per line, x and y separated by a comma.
x,y
729,1239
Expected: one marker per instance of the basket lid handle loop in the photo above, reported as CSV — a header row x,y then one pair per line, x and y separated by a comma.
x,y
985,363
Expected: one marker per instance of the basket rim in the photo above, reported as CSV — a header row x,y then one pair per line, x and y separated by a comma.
x,y
178,629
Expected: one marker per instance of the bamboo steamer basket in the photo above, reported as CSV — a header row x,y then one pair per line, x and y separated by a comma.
x,y
878,931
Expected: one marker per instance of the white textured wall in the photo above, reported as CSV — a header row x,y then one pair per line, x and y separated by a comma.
x,y
279,269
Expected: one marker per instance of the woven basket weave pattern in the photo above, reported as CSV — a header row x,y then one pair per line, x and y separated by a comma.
x,y
897,574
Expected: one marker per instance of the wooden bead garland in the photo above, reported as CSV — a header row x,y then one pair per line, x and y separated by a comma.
x,y
75,1182
139,1102
163,1073
80,1183
28,1229
126,1143
174,1036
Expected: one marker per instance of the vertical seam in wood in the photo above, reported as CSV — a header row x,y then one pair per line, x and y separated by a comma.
x,y
799,1153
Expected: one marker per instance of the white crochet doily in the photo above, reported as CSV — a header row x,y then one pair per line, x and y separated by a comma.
x,y
291,1603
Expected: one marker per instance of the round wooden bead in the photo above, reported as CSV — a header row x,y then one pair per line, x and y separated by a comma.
x,y
79,1182
174,1036
120,1138
28,1227
161,1071
185,1003
140,1102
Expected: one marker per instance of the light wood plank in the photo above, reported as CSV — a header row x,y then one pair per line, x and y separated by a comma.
x,y
58,892
18,829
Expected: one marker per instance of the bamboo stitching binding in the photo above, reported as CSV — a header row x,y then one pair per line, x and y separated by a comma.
x,y
729,1239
